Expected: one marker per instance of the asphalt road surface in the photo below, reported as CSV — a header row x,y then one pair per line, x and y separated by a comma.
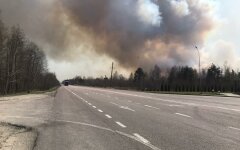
x,y
83,118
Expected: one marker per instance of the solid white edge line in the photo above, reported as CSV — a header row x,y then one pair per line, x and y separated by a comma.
x,y
183,115
234,128
141,138
100,110
120,124
108,116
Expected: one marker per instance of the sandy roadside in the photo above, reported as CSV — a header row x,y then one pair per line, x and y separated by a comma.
x,y
13,137
23,97
18,137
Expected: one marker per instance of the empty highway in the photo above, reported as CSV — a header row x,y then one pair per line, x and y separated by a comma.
x,y
84,118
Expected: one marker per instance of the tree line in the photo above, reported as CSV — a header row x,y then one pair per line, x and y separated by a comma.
x,y
23,64
177,79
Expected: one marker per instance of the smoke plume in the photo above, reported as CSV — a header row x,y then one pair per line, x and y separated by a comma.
x,y
132,32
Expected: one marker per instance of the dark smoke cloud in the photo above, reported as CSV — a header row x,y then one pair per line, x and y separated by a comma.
x,y
132,41
132,32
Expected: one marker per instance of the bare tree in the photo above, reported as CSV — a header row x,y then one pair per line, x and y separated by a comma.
x,y
23,64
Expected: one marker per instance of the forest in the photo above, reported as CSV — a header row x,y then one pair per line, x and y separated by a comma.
x,y
23,65
176,79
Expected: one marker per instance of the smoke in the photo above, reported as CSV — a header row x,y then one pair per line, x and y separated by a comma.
x,y
132,32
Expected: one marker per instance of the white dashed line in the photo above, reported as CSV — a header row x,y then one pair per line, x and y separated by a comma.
x,y
151,106
90,104
123,107
108,116
183,115
126,108
141,138
234,128
94,106
100,110
120,124
175,105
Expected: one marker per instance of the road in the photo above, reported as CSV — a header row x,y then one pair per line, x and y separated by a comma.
x,y
87,118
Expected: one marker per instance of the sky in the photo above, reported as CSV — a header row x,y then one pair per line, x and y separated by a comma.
x,y
84,37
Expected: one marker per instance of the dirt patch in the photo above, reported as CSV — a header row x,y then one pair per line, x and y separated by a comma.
x,y
16,137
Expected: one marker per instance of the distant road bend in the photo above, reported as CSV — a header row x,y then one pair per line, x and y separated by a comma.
x,y
87,118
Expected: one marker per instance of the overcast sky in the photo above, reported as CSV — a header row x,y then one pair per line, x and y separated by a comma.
x,y
85,40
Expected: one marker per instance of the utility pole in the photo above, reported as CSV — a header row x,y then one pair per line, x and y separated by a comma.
x,y
112,73
199,68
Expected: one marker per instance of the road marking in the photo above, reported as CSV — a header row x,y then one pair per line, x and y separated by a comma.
x,y
141,138
90,104
100,110
234,128
120,124
122,107
114,104
74,93
94,106
127,108
175,105
85,124
171,101
137,139
108,116
183,115
151,106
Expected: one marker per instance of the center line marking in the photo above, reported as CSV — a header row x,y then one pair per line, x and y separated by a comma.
x,y
141,138
120,124
108,116
100,110
151,106
234,128
183,115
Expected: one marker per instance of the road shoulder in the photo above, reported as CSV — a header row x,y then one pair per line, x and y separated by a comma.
x,y
16,137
